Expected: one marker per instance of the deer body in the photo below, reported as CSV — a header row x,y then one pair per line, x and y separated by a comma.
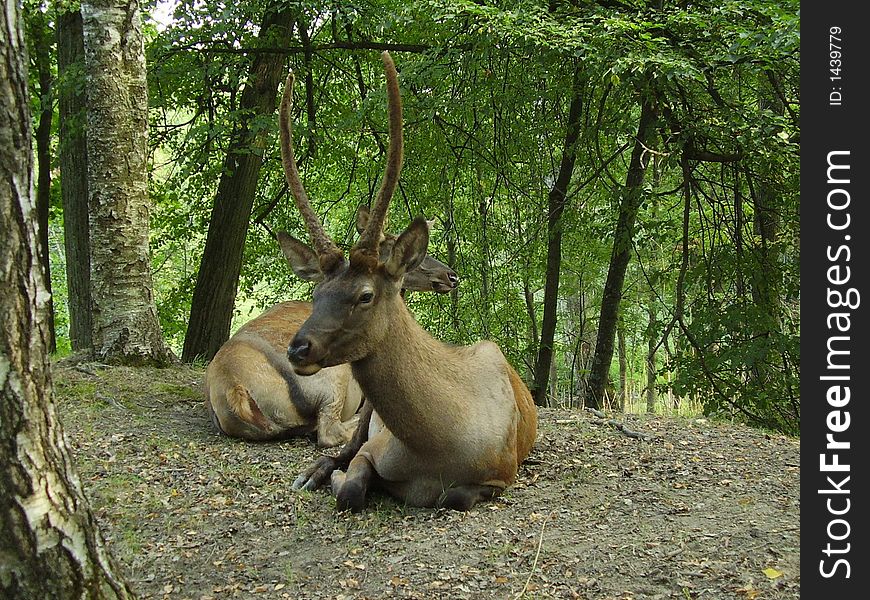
x,y
253,393
425,437
451,424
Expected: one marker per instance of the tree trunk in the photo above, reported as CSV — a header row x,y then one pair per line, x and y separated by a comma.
x,y
40,39
73,159
766,225
556,201
532,333
651,357
50,544
632,197
623,364
125,325
211,310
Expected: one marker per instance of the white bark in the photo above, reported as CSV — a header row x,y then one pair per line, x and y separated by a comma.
x,y
49,544
125,324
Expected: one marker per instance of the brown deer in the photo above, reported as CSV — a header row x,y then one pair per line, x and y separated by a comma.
x,y
451,424
251,389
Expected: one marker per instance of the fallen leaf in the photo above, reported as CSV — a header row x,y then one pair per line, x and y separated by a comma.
x,y
772,573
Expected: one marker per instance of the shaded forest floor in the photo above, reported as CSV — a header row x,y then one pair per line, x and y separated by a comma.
x,y
704,510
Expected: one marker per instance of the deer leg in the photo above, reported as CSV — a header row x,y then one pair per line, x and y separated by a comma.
x,y
350,488
320,470
331,430
464,497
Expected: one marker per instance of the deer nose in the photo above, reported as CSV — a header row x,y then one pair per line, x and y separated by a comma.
x,y
453,278
298,350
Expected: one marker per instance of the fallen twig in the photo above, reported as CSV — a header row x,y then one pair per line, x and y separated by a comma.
x,y
535,561
621,426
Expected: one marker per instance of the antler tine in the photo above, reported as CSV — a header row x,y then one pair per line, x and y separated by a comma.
x,y
370,238
323,245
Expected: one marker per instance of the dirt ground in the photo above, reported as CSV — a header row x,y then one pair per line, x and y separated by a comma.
x,y
702,510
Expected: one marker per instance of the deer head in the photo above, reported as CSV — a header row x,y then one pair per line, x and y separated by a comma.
x,y
355,297
431,275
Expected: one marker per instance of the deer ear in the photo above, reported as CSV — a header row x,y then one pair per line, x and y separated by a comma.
x,y
362,220
409,249
302,259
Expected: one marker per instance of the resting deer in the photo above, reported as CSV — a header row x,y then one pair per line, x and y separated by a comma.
x,y
252,391
452,424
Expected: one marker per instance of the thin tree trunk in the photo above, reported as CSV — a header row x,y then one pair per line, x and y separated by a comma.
x,y
632,197
651,358
125,325
554,382
211,310
766,225
556,201
532,335
451,262
623,364
40,39
51,547
73,159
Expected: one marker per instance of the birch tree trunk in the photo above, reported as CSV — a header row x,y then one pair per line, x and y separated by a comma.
x,y
49,543
125,325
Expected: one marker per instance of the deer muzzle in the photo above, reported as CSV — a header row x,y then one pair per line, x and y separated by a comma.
x,y
303,354
447,283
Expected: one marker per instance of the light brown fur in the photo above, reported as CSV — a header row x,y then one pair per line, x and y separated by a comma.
x,y
253,393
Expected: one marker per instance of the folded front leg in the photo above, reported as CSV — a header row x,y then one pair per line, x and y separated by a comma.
x,y
316,474
350,488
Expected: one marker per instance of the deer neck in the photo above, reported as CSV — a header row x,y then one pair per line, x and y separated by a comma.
x,y
405,379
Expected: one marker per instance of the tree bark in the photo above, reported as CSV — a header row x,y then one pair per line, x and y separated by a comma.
x,y
556,201
632,197
651,357
766,217
211,310
40,38
125,325
73,159
51,547
623,364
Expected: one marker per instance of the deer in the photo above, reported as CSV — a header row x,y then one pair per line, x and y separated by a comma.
x,y
252,392
444,426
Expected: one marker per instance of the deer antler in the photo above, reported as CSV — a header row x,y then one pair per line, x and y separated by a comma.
x,y
370,238
327,250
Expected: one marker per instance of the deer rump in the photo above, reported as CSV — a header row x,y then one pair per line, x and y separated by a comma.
x,y
252,392
448,426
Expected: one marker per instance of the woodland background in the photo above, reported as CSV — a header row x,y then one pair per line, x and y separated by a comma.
x,y
616,181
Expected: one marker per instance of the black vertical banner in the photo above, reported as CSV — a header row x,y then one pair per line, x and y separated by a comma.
x,y
835,299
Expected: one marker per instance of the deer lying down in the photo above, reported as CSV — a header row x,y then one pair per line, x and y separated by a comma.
x,y
252,391
451,424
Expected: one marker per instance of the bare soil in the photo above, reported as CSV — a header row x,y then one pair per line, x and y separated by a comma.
x,y
703,510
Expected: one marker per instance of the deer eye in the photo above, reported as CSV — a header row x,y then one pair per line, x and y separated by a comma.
x,y
366,297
